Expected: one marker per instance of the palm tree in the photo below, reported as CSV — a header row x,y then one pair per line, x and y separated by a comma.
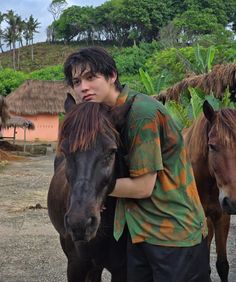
x,y
1,31
31,27
13,21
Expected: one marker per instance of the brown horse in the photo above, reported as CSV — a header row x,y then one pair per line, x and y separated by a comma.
x,y
85,173
211,146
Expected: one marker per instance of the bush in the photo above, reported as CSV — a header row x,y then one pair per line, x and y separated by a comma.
x,y
10,80
48,73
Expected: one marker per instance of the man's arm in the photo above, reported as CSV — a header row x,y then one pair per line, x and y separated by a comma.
x,y
138,187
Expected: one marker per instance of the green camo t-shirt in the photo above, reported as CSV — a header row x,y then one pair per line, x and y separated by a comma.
x,y
173,215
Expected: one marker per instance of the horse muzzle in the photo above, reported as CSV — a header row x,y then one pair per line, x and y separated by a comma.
x,y
81,229
227,204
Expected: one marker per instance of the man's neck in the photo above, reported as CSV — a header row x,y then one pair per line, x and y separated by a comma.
x,y
112,98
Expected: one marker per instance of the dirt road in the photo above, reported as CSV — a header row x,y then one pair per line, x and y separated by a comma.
x,y
29,246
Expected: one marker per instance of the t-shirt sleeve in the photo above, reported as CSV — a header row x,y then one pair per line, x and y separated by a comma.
x,y
145,147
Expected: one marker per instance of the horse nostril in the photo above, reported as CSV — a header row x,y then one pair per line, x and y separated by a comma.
x,y
91,221
229,206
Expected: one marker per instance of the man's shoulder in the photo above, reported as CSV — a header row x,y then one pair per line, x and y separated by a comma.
x,y
145,107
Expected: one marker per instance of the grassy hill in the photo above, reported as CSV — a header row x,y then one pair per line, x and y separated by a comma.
x,y
45,54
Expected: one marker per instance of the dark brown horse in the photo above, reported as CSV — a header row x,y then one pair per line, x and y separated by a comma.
x,y
78,205
211,145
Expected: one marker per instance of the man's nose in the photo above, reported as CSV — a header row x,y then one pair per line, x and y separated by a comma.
x,y
84,85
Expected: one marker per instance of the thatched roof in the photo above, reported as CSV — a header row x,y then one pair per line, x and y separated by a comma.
x,y
38,97
16,121
216,82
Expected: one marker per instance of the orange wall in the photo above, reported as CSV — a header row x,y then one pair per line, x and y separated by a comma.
x,y
46,129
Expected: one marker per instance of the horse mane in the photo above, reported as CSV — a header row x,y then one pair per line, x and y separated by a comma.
x,y
226,126
196,137
83,123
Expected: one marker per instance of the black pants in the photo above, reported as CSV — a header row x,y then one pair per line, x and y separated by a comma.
x,y
151,263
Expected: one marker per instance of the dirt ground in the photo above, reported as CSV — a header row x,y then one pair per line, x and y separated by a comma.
x,y
29,245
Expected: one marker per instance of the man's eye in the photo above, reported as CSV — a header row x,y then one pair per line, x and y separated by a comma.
x,y
76,82
90,77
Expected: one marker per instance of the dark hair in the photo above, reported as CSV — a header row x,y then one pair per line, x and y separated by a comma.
x,y
97,59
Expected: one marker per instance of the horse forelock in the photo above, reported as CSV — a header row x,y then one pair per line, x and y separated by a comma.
x,y
83,124
196,138
226,126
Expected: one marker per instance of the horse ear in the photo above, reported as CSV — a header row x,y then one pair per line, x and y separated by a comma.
x,y
69,102
208,111
120,113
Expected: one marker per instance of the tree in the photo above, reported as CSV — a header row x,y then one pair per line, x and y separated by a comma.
x,y
31,27
14,22
193,23
1,31
55,8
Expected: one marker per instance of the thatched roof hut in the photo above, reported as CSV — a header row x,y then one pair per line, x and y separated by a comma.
x,y
216,82
16,121
38,97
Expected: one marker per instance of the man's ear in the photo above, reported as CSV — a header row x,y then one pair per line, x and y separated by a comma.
x,y
120,113
69,103
113,77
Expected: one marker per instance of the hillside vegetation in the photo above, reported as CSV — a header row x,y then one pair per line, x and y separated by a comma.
x,y
45,54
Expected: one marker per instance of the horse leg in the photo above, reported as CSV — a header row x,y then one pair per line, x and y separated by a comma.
x,y
77,270
210,237
119,275
221,234
95,275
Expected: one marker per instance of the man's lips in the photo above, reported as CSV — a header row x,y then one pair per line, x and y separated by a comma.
x,y
88,97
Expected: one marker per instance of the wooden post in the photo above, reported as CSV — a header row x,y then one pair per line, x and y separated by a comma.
x,y
14,134
24,137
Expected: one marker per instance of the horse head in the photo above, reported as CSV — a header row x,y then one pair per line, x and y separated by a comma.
x,y
222,153
89,140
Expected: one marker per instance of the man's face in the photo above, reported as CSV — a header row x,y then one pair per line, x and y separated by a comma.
x,y
94,88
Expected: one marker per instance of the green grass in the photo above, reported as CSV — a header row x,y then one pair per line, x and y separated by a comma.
x,y
45,54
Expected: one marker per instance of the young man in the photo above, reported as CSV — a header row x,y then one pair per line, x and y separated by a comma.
x,y
159,202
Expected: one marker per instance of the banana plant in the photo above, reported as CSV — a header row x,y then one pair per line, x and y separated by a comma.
x,y
179,113
151,87
147,82
204,65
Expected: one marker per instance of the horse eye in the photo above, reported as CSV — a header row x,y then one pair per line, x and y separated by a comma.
x,y
212,147
109,155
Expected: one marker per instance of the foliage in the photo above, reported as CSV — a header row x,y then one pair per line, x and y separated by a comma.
x,y
194,22
133,21
147,82
153,86
178,113
129,59
10,80
48,73
190,107
203,60
181,62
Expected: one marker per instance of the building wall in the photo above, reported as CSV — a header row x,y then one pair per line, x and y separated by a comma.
x,y
46,129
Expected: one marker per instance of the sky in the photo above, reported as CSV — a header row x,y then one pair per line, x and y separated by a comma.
x,y
39,10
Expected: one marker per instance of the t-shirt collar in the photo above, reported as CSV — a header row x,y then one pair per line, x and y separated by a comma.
x,y
123,96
